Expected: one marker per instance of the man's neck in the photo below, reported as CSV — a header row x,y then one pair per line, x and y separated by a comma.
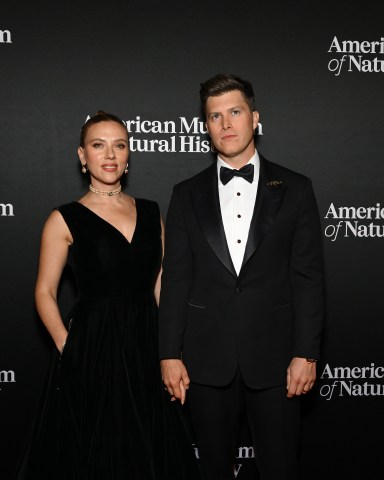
x,y
238,161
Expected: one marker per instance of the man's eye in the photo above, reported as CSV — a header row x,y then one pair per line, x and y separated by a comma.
x,y
235,112
215,116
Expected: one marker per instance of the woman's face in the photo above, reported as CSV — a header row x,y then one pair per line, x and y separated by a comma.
x,y
105,152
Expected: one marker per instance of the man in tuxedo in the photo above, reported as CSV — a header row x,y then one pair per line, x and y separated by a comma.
x,y
241,308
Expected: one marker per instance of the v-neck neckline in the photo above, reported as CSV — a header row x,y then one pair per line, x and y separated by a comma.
x,y
112,226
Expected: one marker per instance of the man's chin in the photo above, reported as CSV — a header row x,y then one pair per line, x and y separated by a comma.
x,y
228,152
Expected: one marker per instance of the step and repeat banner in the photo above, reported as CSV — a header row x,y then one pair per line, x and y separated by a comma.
x,y
317,69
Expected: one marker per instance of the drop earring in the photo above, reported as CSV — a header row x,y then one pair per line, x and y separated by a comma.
x,y
126,169
84,168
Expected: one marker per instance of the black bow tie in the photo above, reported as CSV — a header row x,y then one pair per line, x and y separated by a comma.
x,y
246,172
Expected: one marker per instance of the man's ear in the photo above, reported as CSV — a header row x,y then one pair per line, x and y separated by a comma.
x,y
255,119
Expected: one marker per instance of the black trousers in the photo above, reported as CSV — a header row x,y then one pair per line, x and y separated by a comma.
x,y
274,421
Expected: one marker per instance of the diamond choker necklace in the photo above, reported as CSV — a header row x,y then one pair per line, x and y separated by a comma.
x,y
108,193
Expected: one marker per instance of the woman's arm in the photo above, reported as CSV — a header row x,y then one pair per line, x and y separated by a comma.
x,y
158,281
55,240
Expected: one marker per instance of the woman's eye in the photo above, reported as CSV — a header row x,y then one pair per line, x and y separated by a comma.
x,y
97,145
120,146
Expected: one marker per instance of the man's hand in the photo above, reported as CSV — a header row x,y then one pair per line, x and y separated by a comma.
x,y
175,378
301,376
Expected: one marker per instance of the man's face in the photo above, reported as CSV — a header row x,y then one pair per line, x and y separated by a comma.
x,y
231,126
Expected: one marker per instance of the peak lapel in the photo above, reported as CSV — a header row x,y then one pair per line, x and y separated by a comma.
x,y
205,199
270,193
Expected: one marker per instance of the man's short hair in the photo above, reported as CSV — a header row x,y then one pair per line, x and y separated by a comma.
x,y
223,83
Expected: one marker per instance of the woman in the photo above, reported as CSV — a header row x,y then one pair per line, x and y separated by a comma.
x,y
105,414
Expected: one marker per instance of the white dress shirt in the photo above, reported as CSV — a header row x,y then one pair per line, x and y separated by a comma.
x,y
237,202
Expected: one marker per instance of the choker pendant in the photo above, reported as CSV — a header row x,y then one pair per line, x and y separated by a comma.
x,y
108,193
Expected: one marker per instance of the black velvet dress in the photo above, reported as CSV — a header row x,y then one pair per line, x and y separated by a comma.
x,y
104,414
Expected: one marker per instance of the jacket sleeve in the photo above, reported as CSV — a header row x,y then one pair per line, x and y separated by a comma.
x,y
306,269
176,281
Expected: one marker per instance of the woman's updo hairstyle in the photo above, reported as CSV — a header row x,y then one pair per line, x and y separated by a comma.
x,y
100,116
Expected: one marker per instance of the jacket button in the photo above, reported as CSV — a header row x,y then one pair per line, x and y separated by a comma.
x,y
238,289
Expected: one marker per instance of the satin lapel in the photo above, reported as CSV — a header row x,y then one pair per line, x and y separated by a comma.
x,y
270,194
205,199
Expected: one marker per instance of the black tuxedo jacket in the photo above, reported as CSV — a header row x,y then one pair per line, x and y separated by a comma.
x,y
218,321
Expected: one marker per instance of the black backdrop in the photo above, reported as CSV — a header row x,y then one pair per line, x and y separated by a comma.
x,y
321,109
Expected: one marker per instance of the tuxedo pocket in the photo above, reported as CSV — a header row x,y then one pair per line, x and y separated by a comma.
x,y
194,304
282,305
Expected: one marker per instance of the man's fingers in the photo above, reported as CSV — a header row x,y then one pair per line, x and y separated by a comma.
x,y
183,392
175,378
308,387
185,379
176,392
292,387
299,389
288,379
170,390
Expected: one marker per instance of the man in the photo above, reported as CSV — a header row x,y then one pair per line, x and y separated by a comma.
x,y
241,307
